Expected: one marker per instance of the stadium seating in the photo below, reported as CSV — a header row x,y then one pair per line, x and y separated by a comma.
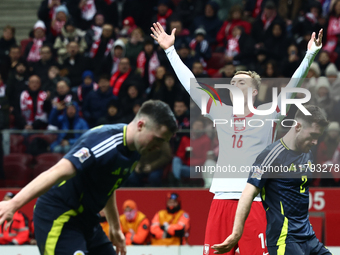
x,y
48,158
41,167
23,158
17,174
50,138
17,144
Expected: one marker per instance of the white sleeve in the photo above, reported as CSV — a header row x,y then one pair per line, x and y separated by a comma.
x,y
185,76
301,72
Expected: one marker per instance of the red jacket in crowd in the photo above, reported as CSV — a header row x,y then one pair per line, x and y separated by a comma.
x,y
17,232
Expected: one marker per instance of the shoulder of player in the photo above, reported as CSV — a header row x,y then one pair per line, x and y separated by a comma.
x,y
271,153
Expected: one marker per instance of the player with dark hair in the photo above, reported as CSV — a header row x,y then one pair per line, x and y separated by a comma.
x,y
81,184
239,143
285,194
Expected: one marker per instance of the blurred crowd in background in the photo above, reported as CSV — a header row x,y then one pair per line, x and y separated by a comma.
x,y
92,62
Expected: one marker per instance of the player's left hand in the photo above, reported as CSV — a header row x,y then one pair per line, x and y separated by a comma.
x,y
226,246
317,42
118,239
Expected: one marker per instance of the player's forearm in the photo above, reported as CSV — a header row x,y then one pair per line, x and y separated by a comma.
x,y
184,74
63,170
111,212
243,208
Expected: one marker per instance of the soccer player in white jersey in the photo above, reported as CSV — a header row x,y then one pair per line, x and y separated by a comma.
x,y
238,146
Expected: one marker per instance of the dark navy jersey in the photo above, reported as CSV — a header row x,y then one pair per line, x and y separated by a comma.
x,y
103,163
285,195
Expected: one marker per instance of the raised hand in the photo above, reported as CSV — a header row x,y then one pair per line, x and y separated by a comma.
x,y
163,39
317,42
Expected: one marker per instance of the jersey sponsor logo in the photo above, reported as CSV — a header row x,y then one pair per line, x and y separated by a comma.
x,y
83,154
116,172
206,249
240,124
257,173
79,253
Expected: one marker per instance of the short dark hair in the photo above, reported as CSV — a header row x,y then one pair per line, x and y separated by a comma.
x,y
317,116
104,77
160,113
14,46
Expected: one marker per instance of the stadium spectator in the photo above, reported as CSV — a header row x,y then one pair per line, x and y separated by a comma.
x,y
322,97
95,31
114,115
200,47
102,47
127,103
8,63
277,43
271,70
16,84
68,121
181,114
7,40
87,86
75,64
198,70
110,63
184,54
235,19
4,110
41,67
334,80
263,25
225,7
323,61
128,26
291,63
191,151
333,29
134,224
209,22
239,48
15,232
149,169
163,13
187,10
172,90
290,10
170,226
228,71
58,21
122,78
147,62
182,34
47,11
327,147
32,51
134,45
63,96
50,85
95,104
156,90
68,34
32,105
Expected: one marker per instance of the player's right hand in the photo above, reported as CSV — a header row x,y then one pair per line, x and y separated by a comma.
x,y
226,246
6,211
163,39
118,239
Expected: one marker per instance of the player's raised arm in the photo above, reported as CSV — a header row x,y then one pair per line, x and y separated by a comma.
x,y
313,47
243,209
63,170
182,71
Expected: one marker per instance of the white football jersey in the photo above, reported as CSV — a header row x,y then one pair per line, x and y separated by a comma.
x,y
239,145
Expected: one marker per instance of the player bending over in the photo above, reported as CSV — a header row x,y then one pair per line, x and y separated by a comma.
x,y
285,195
238,146
73,191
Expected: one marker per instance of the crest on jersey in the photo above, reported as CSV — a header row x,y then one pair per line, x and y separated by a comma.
x,y
83,154
258,172
239,124
79,253
206,249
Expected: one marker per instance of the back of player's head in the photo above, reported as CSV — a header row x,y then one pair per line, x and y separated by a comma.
x,y
256,79
160,113
317,116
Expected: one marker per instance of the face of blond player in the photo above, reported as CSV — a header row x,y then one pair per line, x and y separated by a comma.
x,y
243,82
307,135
